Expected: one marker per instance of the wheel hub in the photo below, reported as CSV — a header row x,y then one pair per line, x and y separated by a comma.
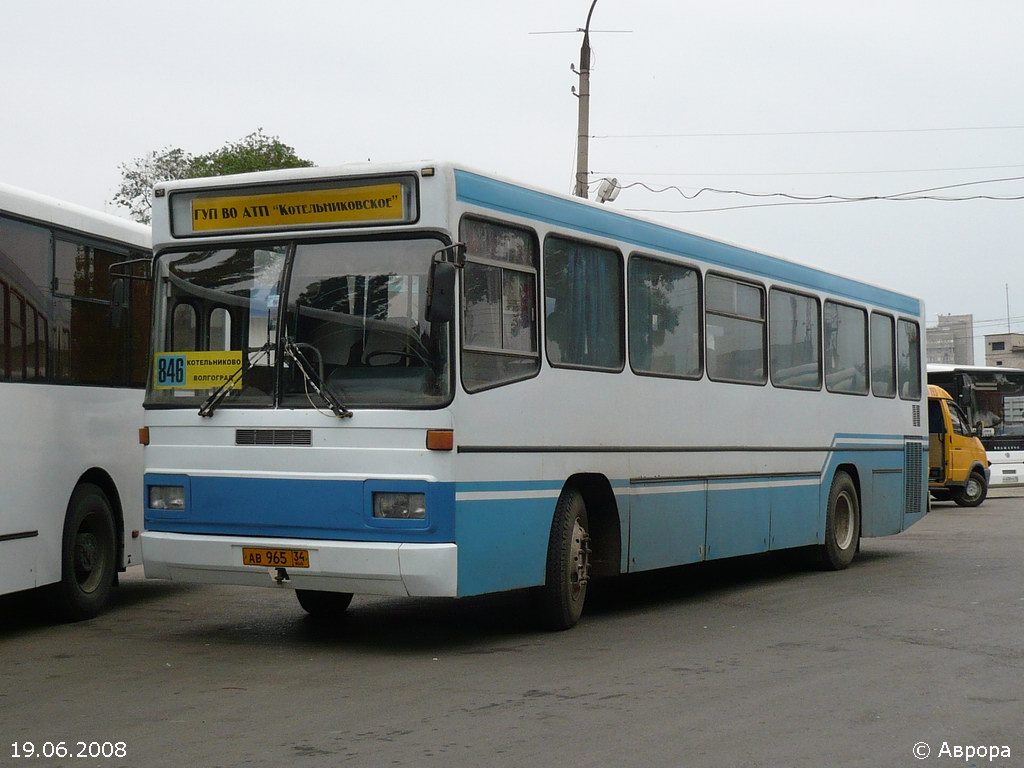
x,y
579,556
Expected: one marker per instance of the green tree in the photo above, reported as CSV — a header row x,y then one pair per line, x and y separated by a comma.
x,y
255,152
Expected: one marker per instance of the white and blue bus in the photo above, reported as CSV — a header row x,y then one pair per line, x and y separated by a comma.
x,y
421,379
74,337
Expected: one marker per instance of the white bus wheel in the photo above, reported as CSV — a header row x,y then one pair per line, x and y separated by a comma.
x,y
568,566
88,559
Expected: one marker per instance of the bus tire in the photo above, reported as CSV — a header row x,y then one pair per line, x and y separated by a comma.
x,y
568,565
319,603
842,524
88,555
973,493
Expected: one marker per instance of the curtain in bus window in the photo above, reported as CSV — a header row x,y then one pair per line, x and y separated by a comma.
x,y
583,305
16,336
846,351
908,347
664,319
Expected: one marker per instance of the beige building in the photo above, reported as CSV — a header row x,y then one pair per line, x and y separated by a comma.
x,y
1005,349
951,341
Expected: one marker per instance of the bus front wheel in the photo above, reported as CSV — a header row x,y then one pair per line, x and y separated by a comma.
x,y
973,493
568,565
325,604
88,558
842,524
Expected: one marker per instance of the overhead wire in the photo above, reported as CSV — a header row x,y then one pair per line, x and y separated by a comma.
x,y
910,195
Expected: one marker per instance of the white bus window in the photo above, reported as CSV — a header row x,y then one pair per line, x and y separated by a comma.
x,y
16,336
883,366
908,347
664,318
499,316
795,340
97,352
220,330
583,305
3,331
846,349
735,330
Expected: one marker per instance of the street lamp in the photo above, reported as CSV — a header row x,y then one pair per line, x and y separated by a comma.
x,y
583,125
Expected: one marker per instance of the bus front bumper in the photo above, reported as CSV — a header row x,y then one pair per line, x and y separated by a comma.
x,y
371,568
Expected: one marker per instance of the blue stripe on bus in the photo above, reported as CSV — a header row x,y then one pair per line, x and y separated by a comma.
x,y
503,540
512,199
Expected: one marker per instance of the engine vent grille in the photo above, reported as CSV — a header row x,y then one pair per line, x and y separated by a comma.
x,y
273,437
912,468
917,415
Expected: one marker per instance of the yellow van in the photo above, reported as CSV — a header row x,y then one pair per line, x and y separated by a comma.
x,y
957,465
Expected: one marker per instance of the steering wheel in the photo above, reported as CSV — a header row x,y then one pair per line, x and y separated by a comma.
x,y
397,353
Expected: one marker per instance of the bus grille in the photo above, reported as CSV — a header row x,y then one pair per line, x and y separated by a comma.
x,y
273,437
917,415
912,468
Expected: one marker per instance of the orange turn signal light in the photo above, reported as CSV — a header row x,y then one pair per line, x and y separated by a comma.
x,y
440,439
143,435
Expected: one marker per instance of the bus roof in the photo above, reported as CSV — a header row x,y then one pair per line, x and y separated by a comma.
x,y
517,198
947,368
31,206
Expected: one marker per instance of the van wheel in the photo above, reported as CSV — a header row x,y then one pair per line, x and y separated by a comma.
x,y
317,603
568,568
88,558
973,493
842,524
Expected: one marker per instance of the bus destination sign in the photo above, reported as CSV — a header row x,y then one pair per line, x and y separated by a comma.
x,y
372,204
196,370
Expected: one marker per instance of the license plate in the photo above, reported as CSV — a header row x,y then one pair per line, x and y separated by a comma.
x,y
1007,479
275,558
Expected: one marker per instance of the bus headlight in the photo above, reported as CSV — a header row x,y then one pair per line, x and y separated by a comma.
x,y
400,506
167,497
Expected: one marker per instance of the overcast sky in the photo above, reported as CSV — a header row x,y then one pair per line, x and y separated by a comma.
x,y
89,85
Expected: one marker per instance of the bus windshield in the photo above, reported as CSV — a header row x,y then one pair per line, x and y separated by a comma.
x,y
997,401
355,311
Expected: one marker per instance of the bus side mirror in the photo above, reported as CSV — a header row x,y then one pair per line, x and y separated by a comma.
x,y
441,292
118,296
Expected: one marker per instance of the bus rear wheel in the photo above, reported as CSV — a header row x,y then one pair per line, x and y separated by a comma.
x,y
568,566
973,492
88,558
842,524
323,604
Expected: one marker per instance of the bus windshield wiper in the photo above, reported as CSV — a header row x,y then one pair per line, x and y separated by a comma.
x,y
217,396
314,378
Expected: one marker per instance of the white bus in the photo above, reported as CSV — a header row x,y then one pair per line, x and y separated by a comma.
x,y
73,345
992,396
420,379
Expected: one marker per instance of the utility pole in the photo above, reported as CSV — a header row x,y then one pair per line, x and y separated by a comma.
x,y
583,125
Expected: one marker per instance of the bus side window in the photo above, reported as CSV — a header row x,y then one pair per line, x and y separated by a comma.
x,y
3,330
